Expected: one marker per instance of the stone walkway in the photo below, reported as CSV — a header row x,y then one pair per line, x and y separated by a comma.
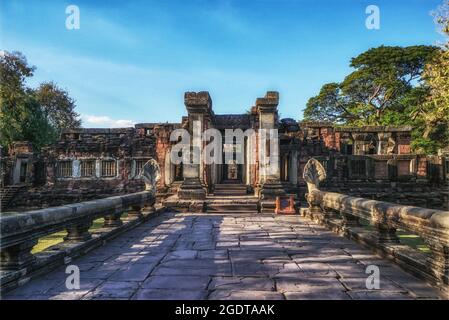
x,y
207,256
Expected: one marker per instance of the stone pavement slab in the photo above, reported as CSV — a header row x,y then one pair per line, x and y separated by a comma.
x,y
229,256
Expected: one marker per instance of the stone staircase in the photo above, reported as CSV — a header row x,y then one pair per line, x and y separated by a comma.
x,y
232,204
7,193
226,198
231,198
230,189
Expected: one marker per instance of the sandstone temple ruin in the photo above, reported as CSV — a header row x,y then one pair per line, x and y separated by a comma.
x,y
211,223
373,162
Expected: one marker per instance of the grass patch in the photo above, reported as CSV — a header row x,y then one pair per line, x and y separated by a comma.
x,y
49,241
411,240
58,237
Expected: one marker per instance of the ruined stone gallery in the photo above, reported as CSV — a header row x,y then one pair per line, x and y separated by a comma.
x,y
373,162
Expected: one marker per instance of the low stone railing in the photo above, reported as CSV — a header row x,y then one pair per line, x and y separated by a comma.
x,y
343,214
20,232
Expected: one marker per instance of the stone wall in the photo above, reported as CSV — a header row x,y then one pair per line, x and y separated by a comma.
x,y
372,162
126,149
391,174
66,192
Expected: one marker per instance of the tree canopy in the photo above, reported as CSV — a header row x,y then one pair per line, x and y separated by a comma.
x,y
381,82
433,112
391,86
34,115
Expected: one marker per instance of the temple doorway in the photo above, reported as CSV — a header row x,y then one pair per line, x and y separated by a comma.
x,y
231,171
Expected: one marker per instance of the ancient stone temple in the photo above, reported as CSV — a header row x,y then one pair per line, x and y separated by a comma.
x,y
174,214
373,162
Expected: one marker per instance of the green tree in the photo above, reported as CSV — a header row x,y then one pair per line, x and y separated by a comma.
x,y
433,112
26,114
382,77
58,106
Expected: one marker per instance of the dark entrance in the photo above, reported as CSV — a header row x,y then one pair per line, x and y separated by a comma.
x,y
23,171
232,172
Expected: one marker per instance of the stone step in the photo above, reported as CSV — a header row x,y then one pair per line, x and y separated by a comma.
x,y
7,193
232,207
229,192
230,187
233,212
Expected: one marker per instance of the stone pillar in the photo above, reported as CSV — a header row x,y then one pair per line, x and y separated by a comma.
x,y
135,211
162,134
16,172
76,168
113,220
392,166
18,256
269,180
293,166
98,168
359,143
249,156
385,232
168,169
349,220
79,231
439,261
199,108
383,142
315,211
403,141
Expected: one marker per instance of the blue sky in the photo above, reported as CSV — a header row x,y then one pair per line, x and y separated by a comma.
x,y
132,61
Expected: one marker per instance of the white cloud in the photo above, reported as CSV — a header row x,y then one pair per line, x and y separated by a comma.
x,y
104,122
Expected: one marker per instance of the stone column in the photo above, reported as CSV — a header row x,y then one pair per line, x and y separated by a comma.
x,y
293,165
439,261
315,212
135,211
249,159
403,141
18,256
269,180
349,220
16,172
199,108
168,169
359,143
385,231
113,220
79,232
76,168
383,142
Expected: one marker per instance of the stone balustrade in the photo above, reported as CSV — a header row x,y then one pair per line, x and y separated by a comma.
x,y
20,232
343,213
